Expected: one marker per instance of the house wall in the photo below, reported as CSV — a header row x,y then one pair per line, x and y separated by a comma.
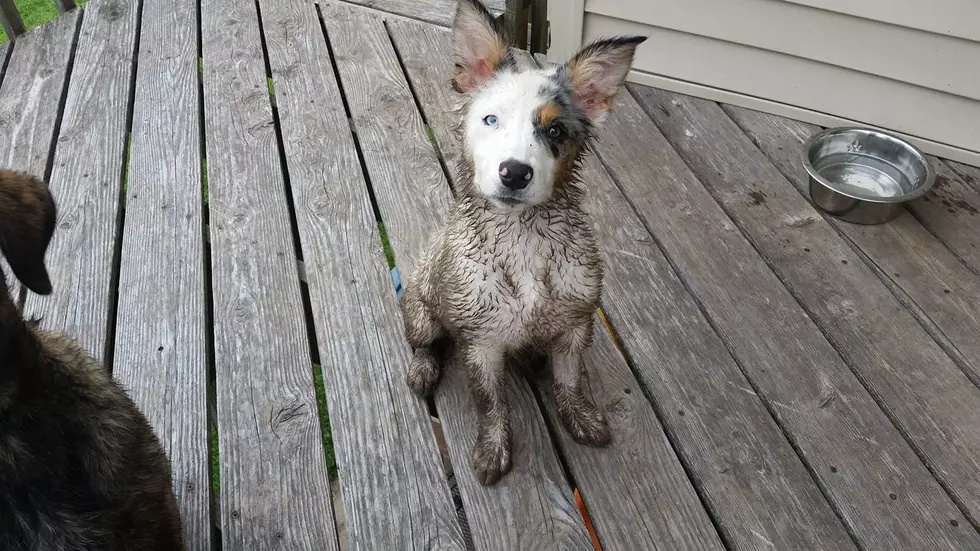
x,y
909,66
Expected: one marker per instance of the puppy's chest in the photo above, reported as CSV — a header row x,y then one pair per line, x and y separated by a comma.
x,y
530,286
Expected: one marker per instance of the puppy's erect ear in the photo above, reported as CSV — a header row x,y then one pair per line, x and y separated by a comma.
x,y
597,73
27,219
480,44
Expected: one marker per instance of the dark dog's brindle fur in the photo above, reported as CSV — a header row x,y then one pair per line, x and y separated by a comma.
x,y
80,467
516,273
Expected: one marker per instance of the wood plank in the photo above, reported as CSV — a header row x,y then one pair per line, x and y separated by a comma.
x,y
86,178
640,472
161,350
939,289
275,491
915,382
838,429
532,507
30,99
393,482
31,93
969,174
705,399
951,211
437,12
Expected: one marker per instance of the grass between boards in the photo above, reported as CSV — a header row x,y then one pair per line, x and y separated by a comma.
x,y
215,463
35,12
38,12
321,406
386,245
204,179
129,151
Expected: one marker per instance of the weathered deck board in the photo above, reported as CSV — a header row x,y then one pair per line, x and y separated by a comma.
x,y
13,286
951,211
922,389
757,489
275,491
438,12
87,178
31,94
970,174
30,99
818,401
533,506
639,473
393,482
161,333
939,288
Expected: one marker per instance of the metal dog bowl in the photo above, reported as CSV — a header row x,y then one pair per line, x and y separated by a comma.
x,y
864,176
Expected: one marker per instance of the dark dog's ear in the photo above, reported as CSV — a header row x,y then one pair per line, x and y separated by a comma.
x,y
27,219
480,44
598,72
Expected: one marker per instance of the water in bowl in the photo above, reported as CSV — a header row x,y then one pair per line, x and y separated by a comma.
x,y
863,176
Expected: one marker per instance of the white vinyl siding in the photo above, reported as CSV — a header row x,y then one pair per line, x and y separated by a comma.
x,y
914,68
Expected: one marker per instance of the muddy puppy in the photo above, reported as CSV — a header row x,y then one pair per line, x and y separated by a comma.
x,y
80,467
516,271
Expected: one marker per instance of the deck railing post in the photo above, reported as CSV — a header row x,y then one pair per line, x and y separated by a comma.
x,y
519,15
64,5
10,18
515,21
540,31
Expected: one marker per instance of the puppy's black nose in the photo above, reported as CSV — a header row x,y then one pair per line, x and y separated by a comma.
x,y
515,175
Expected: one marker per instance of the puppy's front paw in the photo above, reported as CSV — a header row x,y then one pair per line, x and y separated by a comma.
x,y
491,459
587,425
423,373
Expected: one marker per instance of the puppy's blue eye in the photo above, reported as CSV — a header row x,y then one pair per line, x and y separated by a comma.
x,y
490,120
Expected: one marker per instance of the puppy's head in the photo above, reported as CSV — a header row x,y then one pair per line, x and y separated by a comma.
x,y
27,220
524,128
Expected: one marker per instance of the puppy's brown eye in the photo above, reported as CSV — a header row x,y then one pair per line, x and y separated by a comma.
x,y
554,132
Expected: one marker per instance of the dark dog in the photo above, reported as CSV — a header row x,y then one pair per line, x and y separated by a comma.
x,y
80,467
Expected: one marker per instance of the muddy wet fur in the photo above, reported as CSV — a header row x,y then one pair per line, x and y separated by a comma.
x,y
80,467
516,272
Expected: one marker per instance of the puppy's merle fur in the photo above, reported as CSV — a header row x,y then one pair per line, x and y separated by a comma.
x,y
80,467
516,271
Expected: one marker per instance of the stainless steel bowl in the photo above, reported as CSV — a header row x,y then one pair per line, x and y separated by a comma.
x,y
864,176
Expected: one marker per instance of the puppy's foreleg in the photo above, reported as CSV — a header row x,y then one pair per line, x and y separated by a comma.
x,y
422,331
578,413
488,384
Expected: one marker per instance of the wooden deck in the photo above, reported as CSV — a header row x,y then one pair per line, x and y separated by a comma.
x,y
224,171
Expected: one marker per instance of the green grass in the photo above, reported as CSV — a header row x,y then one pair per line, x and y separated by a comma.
x,y
204,179
35,12
215,464
129,149
321,406
386,245
272,87
430,135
